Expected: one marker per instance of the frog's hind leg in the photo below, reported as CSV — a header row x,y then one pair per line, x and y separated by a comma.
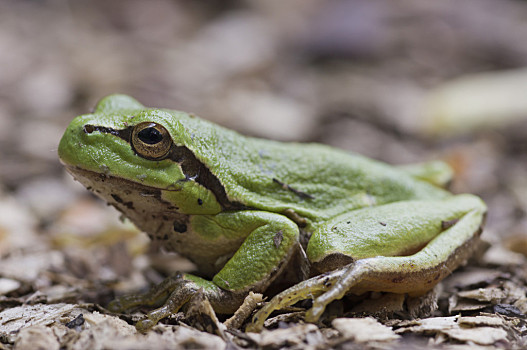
x,y
453,241
414,274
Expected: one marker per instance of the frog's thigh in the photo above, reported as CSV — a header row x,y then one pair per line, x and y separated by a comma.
x,y
419,272
271,241
395,229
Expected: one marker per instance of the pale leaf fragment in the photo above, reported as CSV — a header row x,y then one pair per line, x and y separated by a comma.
x,y
36,337
471,276
8,285
428,325
298,335
500,255
249,304
15,319
364,330
492,295
479,335
493,321
484,100
521,304
458,328
456,304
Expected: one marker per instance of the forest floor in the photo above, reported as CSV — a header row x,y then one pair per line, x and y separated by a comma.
x,y
402,83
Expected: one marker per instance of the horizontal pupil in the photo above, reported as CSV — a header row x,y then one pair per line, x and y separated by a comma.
x,y
150,136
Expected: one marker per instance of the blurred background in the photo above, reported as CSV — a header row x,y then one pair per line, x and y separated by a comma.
x,y
400,81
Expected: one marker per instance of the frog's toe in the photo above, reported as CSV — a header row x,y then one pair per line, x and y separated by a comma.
x,y
115,306
313,314
131,301
144,325
315,287
172,294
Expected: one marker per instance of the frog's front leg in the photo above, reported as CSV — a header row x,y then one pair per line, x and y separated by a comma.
x,y
268,241
404,247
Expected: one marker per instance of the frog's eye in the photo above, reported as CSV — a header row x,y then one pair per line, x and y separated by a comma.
x,y
151,140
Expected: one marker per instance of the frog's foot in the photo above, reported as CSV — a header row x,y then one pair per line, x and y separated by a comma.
x,y
172,294
307,289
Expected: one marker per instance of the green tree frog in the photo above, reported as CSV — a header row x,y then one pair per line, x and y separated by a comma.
x,y
251,212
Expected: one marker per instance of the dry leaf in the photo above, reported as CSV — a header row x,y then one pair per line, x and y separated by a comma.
x,y
363,330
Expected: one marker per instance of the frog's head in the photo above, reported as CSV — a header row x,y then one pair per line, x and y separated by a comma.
x,y
138,159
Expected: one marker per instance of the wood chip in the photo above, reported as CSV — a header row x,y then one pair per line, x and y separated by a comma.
x,y
499,255
456,304
459,328
37,337
480,335
493,321
15,319
492,295
427,325
8,285
249,304
301,335
364,330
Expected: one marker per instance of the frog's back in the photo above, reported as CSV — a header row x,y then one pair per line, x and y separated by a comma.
x,y
313,180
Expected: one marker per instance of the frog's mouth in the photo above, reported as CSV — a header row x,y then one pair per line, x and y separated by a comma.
x,y
142,204
112,188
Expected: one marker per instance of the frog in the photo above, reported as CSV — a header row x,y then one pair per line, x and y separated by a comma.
x,y
253,214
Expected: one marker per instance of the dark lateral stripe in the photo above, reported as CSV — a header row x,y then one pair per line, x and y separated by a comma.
x,y
193,169
125,134
299,193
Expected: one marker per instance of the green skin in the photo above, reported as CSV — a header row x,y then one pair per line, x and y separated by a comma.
x,y
249,211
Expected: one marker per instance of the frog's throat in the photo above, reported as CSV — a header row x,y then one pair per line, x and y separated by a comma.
x,y
192,167
142,204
